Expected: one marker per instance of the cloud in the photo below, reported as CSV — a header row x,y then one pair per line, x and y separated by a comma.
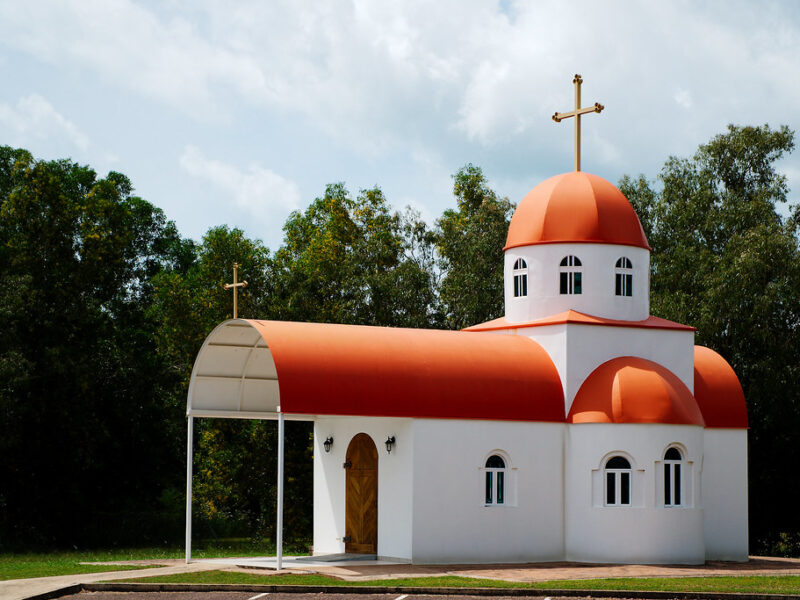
x,y
257,191
684,98
34,118
459,77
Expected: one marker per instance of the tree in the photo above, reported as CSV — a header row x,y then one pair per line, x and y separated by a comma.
x,y
346,260
82,391
726,260
470,244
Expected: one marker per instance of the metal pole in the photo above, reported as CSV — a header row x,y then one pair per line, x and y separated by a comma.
x,y
279,525
577,82
189,435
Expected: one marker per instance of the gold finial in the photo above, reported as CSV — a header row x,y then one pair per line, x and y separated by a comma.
x,y
235,285
578,80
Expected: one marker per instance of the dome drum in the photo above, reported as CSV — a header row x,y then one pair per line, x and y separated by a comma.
x,y
599,293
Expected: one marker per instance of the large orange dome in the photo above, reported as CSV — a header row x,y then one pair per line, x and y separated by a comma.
x,y
575,207
630,389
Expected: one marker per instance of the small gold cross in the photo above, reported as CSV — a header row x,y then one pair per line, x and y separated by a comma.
x,y
577,114
235,285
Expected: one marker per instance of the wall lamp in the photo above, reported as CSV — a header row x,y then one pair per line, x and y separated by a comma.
x,y
328,443
389,444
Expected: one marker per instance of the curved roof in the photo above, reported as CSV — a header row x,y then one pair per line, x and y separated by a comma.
x,y
250,368
575,207
634,390
718,391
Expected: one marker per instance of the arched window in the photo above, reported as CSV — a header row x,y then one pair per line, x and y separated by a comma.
x,y
623,276
673,462
520,278
570,271
495,480
618,481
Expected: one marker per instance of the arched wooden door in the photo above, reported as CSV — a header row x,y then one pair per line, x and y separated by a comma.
x,y
361,496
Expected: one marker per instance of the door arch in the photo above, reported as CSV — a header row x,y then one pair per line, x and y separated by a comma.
x,y
361,496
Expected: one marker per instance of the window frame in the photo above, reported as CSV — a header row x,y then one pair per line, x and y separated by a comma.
x,y
617,475
675,472
623,277
520,278
495,481
570,278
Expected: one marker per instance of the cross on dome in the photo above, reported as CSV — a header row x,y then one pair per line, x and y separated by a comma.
x,y
596,108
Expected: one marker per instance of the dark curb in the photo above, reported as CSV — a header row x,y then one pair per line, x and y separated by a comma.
x,y
417,591
70,589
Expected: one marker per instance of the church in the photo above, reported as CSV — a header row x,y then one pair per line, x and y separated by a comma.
x,y
577,427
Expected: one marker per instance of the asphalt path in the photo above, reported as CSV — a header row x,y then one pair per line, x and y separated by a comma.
x,y
276,596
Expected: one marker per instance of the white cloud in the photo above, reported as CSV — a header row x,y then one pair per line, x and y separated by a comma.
x,y
459,79
257,191
684,98
34,118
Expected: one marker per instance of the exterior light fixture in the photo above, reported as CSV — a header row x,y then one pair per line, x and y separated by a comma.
x,y
389,444
328,443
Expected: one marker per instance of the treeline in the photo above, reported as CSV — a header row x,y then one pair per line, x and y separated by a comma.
x,y
103,307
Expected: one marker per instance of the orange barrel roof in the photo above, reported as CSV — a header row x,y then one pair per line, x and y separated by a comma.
x,y
634,390
329,369
575,207
718,391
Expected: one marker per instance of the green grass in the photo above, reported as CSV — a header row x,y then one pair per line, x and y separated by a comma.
x,y
23,566
46,564
749,584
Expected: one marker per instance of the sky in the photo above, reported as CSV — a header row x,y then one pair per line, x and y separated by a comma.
x,y
238,113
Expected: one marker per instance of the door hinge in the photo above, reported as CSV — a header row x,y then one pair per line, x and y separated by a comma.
x,y
347,539
347,465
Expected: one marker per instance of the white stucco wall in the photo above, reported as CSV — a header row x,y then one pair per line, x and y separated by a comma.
x,y
598,295
577,350
394,483
646,531
451,522
725,494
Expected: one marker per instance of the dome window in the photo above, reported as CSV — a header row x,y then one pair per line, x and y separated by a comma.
x,y
520,278
623,276
570,275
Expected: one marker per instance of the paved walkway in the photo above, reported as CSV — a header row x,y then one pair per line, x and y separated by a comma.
x,y
18,589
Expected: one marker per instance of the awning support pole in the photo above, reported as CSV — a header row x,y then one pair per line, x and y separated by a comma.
x,y
279,524
189,435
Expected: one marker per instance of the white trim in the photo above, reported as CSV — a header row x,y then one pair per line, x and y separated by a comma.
x,y
189,456
279,516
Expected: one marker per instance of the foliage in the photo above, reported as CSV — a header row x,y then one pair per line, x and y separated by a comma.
x,y
726,260
76,256
470,242
345,260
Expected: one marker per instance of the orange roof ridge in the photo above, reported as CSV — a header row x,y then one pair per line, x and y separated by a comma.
x,y
578,318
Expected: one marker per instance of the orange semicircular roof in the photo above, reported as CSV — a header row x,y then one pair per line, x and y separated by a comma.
x,y
718,391
634,390
575,207
326,369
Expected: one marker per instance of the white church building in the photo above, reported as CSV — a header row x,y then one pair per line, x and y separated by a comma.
x,y
577,427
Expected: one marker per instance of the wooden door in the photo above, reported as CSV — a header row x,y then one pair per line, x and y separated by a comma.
x,y
361,496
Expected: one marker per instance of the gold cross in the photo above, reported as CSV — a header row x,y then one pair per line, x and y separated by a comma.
x,y
577,114
235,285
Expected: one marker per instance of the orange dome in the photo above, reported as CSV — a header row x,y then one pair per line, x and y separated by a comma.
x,y
718,391
634,390
575,207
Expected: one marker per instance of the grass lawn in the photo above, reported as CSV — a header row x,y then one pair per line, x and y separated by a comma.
x,y
750,584
22,566
45,564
